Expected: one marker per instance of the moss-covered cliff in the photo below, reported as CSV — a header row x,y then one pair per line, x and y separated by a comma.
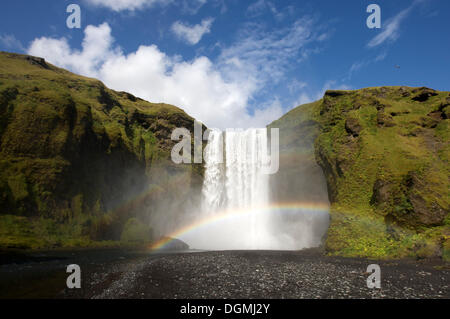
x,y
78,160
385,155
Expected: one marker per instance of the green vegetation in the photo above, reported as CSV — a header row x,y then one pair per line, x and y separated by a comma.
x,y
77,159
42,233
135,231
385,155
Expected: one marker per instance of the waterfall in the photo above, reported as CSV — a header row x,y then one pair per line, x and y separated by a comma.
x,y
246,185
236,212
234,181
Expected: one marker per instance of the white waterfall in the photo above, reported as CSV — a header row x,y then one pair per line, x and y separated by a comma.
x,y
236,212
246,186
214,194
233,174
234,184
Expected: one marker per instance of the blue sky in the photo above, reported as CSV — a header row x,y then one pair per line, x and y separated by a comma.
x,y
235,63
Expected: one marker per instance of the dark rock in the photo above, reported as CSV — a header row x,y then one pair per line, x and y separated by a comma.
x,y
380,106
106,99
429,122
335,93
446,113
357,105
381,192
353,127
417,131
326,106
411,207
437,115
404,92
444,108
399,113
129,96
38,61
330,170
425,215
423,94
384,119
7,95
175,245
382,93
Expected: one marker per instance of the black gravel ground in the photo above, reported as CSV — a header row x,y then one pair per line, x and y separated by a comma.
x,y
217,275
265,274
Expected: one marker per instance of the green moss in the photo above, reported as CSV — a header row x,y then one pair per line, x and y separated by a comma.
x,y
410,155
135,231
19,187
446,249
357,234
77,205
73,153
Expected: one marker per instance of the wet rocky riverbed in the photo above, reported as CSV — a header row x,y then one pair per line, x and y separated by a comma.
x,y
230,274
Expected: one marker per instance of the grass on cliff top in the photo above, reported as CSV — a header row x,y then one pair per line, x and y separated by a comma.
x,y
43,90
51,81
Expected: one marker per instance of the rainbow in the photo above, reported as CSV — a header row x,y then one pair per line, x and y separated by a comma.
x,y
228,214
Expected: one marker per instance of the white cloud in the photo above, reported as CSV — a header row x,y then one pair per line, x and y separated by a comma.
x,y
324,36
391,28
192,34
196,86
130,5
9,41
309,97
358,65
304,98
260,56
192,6
218,93
187,6
96,49
257,8
296,85
381,56
332,85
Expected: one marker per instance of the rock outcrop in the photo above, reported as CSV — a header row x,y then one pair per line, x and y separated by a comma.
x,y
385,155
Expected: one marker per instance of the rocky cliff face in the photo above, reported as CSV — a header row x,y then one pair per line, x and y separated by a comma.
x,y
385,155
78,160
300,178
